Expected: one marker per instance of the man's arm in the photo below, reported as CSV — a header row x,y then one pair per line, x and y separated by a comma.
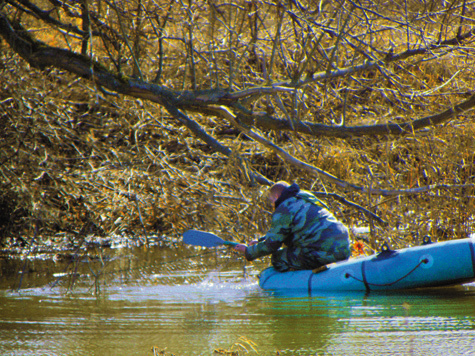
x,y
279,231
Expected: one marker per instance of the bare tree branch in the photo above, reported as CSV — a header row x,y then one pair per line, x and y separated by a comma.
x,y
40,55
224,112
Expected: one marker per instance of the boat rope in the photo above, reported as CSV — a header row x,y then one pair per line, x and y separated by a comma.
x,y
368,284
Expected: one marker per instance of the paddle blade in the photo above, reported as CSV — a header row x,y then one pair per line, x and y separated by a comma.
x,y
202,238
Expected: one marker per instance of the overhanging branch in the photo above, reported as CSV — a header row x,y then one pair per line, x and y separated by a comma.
x,y
41,55
224,112
210,140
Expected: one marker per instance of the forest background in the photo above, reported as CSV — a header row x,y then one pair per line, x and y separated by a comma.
x,y
140,119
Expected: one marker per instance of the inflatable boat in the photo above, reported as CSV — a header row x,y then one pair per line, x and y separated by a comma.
x,y
429,265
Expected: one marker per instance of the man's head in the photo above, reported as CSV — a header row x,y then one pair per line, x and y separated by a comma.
x,y
276,190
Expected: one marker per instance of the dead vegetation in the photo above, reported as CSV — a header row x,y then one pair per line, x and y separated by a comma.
x,y
73,158
149,118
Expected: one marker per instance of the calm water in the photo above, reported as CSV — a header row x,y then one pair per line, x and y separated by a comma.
x,y
202,301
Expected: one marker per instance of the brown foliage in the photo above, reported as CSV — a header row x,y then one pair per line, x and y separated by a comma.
x,y
360,102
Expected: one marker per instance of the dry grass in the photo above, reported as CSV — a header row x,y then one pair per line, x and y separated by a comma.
x,y
72,157
69,159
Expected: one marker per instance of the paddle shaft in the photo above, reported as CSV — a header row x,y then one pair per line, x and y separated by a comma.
x,y
230,243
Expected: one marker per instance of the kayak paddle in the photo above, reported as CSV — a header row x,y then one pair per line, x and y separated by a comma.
x,y
205,239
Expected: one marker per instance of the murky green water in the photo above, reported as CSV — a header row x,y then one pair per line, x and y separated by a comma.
x,y
201,301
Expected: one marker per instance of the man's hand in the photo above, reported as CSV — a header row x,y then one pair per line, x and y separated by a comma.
x,y
241,248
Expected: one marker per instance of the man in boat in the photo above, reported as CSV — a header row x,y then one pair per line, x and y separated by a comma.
x,y
312,235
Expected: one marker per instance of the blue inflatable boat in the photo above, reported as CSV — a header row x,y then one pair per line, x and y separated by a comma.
x,y
430,265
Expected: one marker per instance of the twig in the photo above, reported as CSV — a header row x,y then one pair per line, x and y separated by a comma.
x,y
141,220
124,34
341,199
341,72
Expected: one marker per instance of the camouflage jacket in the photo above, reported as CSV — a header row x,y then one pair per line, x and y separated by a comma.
x,y
298,222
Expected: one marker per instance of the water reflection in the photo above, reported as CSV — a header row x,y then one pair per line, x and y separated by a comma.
x,y
193,305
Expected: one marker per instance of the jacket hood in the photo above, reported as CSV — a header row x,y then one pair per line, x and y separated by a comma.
x,y
289,192
295,191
